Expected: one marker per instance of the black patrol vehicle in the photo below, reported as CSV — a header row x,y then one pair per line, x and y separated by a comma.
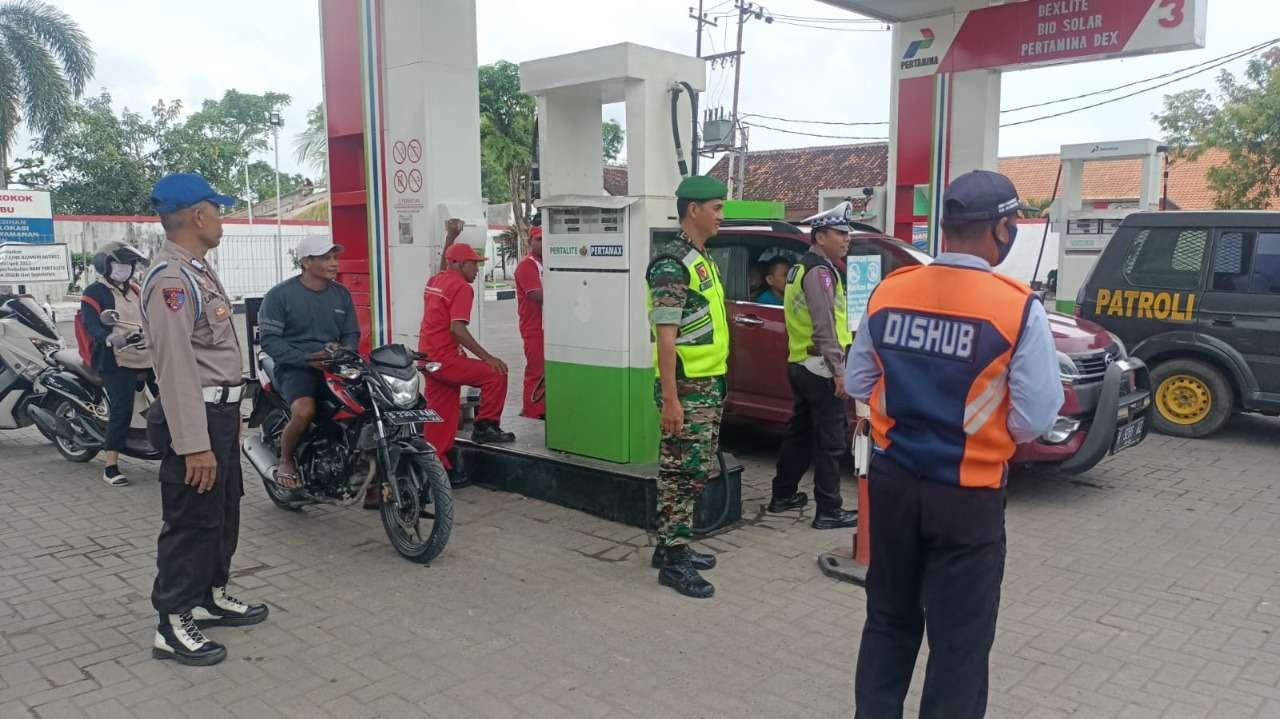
x,y
1195,295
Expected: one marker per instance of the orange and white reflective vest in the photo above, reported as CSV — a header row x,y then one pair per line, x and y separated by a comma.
x,y
944,337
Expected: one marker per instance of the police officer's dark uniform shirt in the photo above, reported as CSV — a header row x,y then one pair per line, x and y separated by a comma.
x,y
193,342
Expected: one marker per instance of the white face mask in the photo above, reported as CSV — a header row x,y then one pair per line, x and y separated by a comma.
x,y
121,273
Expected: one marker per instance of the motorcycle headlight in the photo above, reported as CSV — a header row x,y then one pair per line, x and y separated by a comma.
x,y
404,392
44,346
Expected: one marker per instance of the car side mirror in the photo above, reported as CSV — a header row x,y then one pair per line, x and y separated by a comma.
x,y
109,317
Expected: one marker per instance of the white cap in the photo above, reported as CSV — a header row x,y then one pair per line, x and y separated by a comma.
x,y
316,245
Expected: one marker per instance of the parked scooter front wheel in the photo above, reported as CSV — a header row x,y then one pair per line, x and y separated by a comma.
x,y
419,527
70,449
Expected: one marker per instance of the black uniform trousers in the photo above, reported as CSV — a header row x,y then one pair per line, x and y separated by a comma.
x,y
121,384
937,560
816,436
200,531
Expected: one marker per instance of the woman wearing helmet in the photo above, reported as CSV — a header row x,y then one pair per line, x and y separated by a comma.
x,y
123,367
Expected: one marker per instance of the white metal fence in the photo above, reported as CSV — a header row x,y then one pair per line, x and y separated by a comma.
x,y
253,264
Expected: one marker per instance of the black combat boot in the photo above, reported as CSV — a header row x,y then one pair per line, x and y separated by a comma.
x,y
178,638
835,519
701,562
786,504
222,609
679,574
490,433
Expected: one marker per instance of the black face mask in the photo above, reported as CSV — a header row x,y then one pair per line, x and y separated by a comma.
x,y
1003,250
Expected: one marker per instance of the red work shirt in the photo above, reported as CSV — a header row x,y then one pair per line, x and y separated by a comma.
x,y
447,298
529,279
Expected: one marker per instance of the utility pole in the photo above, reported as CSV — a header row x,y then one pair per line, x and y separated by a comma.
x,y
701,19
735,191
277,121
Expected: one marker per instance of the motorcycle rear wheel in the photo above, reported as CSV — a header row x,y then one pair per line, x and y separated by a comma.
x,y
69,448
424,485
281,497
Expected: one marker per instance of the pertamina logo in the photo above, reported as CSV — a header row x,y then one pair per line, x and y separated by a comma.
x,y
910,58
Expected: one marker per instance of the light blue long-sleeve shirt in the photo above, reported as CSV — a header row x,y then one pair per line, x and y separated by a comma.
x,y
1035,386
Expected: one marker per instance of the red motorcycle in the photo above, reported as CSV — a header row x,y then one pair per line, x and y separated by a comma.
x,y
367,432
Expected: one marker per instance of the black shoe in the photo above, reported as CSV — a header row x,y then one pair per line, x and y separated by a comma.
x,y
835,519
679,574
786,504
490,433
178,638
701,562
224,610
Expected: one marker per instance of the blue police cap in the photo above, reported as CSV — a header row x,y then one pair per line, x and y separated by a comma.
x,y
184,189
981,195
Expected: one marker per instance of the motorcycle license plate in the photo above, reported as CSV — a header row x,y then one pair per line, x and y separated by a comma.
x,y
411,416
1129,435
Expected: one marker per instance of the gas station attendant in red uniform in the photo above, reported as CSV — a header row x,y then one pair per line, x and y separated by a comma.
x,y
529,305
442,337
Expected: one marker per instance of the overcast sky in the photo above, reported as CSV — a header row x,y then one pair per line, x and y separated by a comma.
x,y
153,49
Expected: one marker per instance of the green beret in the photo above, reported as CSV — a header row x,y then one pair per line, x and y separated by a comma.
x,y
701,188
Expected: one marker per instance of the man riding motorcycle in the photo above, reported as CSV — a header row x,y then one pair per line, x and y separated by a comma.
x,y
298,319
120,361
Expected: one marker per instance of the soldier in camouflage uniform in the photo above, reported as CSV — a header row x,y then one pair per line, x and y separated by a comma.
x,y
687,311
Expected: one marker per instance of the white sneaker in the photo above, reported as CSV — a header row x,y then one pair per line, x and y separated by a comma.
x,y
178,638
225,610
115,480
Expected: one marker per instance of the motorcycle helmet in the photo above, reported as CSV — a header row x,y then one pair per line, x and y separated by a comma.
x,y
115,252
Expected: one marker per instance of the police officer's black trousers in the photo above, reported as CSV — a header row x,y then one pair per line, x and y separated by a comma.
x,y
937,560
200,531
816,436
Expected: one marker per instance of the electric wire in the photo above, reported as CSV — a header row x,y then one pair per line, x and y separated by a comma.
x,y
812,134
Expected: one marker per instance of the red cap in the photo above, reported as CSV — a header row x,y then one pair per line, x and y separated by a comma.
x,y
535,231
462,252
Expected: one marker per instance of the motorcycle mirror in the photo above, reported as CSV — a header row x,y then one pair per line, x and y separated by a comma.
x,y
109,317
430,367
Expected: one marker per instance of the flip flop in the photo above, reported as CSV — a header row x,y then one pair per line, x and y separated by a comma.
x,y
291,476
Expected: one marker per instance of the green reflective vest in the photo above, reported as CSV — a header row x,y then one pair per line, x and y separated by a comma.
x,y
795,310
702,340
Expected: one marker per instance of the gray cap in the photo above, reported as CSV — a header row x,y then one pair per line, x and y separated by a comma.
x,y
316,245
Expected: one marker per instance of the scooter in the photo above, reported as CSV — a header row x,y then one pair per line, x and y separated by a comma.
x,y
74,414
27,336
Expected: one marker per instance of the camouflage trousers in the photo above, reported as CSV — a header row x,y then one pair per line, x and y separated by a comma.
x,y
688,458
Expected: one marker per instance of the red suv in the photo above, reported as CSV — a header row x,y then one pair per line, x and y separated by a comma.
x,y
1107,406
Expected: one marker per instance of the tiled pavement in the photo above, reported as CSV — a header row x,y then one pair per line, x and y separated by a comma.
x,y
1147,588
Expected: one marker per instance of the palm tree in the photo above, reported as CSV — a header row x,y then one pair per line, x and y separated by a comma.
x,y
45,61
312,144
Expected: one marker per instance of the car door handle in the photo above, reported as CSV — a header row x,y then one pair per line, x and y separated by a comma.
x,y
1224,321
747,320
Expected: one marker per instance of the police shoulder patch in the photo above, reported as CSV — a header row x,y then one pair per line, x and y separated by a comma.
x,y
175,298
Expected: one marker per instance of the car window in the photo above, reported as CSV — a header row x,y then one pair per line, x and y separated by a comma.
x,y
1231,255
1266,263
743,259
1168,258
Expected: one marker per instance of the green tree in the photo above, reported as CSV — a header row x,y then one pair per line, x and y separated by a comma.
x,y
218,139
506,140
45,62
101,163
1242,120
614,136
262,183
311,146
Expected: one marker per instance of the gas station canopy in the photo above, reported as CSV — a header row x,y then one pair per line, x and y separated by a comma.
x,y
904,10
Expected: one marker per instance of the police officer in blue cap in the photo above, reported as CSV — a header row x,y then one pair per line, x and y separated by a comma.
x,y
958,366
197,423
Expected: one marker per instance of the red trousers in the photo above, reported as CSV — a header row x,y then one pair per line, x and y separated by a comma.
x,y
444,395
535,390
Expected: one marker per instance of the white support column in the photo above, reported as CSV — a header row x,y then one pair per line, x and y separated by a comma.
x,y
432,140
975,121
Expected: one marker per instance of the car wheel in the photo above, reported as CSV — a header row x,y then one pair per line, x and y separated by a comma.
x,y
1192,398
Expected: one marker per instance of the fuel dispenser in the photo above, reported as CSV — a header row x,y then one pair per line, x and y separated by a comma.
x,y
599,355
1084,230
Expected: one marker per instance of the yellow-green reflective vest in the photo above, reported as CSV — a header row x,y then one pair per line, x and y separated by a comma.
x,y
795,309
702,340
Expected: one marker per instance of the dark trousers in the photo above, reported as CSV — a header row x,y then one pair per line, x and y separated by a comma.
x,y
937,560
816,436
121,384
200,531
